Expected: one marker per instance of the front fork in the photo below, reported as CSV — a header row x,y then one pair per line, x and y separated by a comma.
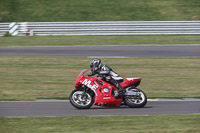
x,y
86,89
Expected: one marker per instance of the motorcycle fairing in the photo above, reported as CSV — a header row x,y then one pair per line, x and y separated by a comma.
x,y
131,82
101,97
99,86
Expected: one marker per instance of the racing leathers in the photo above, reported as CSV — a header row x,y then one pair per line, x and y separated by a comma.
x,y
108,75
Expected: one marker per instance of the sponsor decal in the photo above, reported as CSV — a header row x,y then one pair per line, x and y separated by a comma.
x,y
89,85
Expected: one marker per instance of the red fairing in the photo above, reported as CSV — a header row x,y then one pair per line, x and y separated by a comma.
x,y
131,82
78,84
99,87
106,98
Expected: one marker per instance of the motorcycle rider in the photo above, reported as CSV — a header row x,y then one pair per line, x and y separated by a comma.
x,y
107,74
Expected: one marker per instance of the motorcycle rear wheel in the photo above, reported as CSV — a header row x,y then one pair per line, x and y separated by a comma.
x,y
136,102
80,99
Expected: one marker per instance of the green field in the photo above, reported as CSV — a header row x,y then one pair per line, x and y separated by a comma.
x,y
98,40
98,10
31,78
104,124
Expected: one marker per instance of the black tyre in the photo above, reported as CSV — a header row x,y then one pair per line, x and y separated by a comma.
x,y
80,99
136,102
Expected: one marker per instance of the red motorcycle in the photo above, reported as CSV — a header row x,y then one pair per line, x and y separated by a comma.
x,y
92,90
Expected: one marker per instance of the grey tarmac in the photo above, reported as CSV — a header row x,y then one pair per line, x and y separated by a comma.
x,y
53,108
190,50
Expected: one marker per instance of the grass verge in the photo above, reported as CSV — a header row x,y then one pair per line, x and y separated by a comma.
x,y
98,40
138,124
31,78
99,10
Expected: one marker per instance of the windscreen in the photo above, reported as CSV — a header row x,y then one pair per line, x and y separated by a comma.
x,y
82,71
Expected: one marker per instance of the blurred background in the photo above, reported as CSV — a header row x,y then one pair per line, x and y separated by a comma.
x,y
29,78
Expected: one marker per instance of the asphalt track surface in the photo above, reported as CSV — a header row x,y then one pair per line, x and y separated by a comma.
x,y
190,50
64,108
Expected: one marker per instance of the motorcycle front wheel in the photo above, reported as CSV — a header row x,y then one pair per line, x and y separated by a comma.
x,y
136,101
80,99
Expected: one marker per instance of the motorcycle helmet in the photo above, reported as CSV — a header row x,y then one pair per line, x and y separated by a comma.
x,y
95,65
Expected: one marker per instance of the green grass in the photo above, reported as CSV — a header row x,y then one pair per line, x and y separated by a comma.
x,y
98,40
31,78
105,124
98,10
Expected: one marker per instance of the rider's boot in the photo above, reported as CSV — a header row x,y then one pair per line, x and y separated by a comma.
x,y
119,93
